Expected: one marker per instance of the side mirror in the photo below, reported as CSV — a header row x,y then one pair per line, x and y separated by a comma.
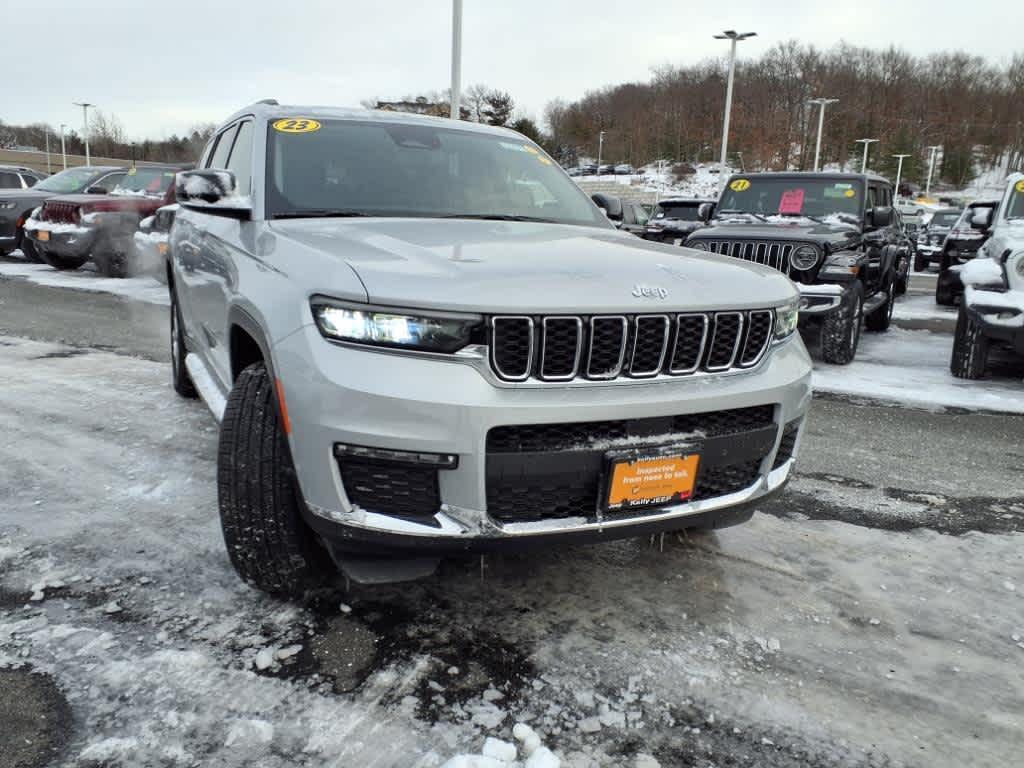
x,y
981,218
95,190
611,206
880,216
212,192
705,211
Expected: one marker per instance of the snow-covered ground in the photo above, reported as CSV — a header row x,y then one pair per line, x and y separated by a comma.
x,y
85,279
912,367
788,641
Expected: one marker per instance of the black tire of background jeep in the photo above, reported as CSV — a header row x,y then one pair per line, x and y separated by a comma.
x,y
28,248
180,379
270,546
880,320
62,262
840,331
970,348
111,261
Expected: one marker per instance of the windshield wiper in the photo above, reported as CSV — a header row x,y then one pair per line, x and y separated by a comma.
x,y
322,213
742,213
495,217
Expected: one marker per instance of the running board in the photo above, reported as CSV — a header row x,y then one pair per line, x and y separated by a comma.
x,y
205,385
875,302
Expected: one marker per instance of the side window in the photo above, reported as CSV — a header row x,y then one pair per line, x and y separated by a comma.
x,y
240,161
108,182
9,180
219,159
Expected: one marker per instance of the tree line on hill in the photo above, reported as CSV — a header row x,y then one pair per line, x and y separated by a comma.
x,y
972,109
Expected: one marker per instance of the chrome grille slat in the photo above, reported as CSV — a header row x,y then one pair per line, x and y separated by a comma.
x,y
562,348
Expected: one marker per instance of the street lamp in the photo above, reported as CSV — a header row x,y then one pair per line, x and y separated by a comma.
x,y
821,102
864,163
733,37
931,167
899,173
85,125
456,56
63,146
600,146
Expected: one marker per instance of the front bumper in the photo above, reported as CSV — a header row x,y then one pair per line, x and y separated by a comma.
x,y
360,397
63,239
1008,332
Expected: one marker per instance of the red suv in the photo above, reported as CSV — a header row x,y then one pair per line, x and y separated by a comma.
x,y
69,230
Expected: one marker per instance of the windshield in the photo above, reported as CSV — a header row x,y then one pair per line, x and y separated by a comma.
x,y
70,180
796,196
357,167
679,211
150,182
945,219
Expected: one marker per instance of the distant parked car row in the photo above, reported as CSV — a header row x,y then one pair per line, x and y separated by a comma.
x,y
592,169
87,213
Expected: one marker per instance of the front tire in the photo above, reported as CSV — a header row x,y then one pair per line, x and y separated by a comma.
x,y
840,331
270,546
970,348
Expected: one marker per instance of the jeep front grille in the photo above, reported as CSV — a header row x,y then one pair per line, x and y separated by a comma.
x,y
604,347
770,254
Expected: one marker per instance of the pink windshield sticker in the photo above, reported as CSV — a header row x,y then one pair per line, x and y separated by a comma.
x,y
792,201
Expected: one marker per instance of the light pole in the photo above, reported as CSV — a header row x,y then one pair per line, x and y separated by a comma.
x,y
899,172
931,167
456,56
600,146
821,102
63,146
733,37
864,163
85,125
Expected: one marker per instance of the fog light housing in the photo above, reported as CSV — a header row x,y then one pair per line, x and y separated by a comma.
x,y
413,458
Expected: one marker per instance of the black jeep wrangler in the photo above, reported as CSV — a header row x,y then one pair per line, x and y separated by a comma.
x,y
834,234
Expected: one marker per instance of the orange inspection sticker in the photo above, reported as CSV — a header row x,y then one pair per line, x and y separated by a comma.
x,y
652,481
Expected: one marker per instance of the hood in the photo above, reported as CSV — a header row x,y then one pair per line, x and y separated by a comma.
x,y
522,267
834,233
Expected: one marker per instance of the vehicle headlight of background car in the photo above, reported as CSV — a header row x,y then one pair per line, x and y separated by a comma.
x,y
803,258
377,326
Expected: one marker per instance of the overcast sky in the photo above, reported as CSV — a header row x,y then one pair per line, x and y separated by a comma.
x,y
161,67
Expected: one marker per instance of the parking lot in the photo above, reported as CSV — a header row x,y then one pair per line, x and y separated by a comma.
x,y
872,616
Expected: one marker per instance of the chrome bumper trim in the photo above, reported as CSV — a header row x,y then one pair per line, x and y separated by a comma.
x,y
458,523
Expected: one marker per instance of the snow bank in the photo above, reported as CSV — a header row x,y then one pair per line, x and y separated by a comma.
x,y
139,288
912,367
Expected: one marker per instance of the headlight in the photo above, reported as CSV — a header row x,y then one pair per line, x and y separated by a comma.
x,y
804,258
360,324
786,319
6,205
700,245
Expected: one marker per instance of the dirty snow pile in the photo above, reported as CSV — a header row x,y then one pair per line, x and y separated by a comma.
x,y
503,754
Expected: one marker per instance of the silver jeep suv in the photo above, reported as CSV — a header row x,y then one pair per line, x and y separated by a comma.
x,y
422,338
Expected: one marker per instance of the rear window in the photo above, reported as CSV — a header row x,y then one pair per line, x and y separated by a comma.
x,y
678,211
